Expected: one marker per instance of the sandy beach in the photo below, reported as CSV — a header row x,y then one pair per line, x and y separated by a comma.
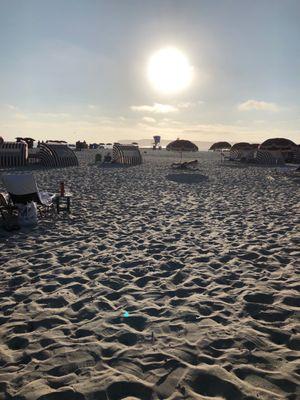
x,y
160,284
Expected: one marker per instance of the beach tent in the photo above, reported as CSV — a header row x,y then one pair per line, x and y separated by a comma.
x,y
219,146
126,154
13,154
281,146
57,155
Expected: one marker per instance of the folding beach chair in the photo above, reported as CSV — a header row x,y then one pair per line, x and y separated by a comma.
x,y
8,214
22,189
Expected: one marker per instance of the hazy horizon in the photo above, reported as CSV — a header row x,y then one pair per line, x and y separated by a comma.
x,y
78,70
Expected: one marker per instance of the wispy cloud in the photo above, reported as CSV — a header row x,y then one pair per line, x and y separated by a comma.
x,y
20,116
189,104
149,119
40,115
258,105
157,108
50,115
11,107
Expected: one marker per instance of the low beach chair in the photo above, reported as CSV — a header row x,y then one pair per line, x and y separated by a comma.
x,y
22,189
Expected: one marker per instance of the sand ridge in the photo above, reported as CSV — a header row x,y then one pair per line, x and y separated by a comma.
x,y
208,272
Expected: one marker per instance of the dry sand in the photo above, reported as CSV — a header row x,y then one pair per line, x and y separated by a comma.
x,y
207,271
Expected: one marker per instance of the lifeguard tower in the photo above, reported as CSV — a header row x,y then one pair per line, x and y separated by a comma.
x,y
156,144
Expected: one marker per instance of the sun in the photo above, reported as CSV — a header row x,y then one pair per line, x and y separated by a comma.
x,y
169,70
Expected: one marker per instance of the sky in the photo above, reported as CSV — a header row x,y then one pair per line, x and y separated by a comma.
x,y
77,69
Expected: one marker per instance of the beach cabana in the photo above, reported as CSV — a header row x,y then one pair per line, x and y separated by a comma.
x,y
126,154
266,157
239,150
220,146
280,148
57,155
28,140
13,154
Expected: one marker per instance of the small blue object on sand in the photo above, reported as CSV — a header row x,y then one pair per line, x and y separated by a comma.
x,y
126,314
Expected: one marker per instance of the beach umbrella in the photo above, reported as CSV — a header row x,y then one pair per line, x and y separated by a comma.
x,y
241,146
181,146
220,146
135,143
278,143
284,147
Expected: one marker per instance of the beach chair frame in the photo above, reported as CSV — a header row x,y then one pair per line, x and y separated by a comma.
x,y
8,213
44,207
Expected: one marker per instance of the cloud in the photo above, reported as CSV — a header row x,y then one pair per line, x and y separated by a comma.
x,y
189,104
157,108
11,107
51,115
258,105
21,116
149,119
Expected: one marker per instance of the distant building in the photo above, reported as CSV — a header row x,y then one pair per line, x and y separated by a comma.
x,y
81,145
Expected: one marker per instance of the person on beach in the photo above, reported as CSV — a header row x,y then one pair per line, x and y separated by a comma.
x,y
107,158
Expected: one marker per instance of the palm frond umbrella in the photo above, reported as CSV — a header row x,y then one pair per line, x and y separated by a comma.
x,y
181,146
286,147
220,146
241,146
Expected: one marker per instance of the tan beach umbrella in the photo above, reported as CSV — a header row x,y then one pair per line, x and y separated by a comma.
x,y
181,146
220,146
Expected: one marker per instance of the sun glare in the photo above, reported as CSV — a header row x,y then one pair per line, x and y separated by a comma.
x,y
169,70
